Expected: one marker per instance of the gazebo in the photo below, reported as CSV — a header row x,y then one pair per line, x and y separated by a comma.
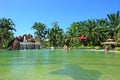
x,y
109,41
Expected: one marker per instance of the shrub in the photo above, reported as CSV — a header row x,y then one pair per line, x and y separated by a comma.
x,y
86,47
117,44
97,47
117,48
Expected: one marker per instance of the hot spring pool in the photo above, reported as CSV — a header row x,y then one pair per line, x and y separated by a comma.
x,y
59,64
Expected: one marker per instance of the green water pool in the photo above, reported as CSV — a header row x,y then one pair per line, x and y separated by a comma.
x,y
59,64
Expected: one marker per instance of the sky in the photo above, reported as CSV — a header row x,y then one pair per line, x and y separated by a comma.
x,y
25,13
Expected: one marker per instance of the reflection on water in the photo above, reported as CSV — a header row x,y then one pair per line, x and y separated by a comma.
x,y
59,65
78,73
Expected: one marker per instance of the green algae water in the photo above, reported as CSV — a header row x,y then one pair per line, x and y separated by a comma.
x,y
59,65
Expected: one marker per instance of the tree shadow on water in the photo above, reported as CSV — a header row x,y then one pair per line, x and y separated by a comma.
x,y
78,73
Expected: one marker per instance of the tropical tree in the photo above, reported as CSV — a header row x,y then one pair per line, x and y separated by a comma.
x,y
118,31
6,31
59,37
55,34
90,31
102,31
96,31
40,31
73,32
113,22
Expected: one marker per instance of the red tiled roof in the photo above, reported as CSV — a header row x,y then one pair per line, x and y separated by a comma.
x,y
82,37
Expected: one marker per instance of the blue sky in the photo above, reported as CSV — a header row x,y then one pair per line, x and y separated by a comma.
x,y
25,12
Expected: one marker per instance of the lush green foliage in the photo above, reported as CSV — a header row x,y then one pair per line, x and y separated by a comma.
x,y
117,48
41,30
113,22
6,32
55,35
96,31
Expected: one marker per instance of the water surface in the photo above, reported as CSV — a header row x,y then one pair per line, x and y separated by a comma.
x,y
59,65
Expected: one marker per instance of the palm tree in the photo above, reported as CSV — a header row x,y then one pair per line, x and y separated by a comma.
x,y
40,32
7,23
90,31
6,28
102,31
113,22
76,29
71,34
55,34
59,36
118,31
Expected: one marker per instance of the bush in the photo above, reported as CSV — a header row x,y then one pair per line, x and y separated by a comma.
x,y
97,47
117,44
86,47
117,48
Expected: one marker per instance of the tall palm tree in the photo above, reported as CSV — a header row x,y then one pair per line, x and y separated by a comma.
x,y
102,31
55,34
71,34
59,37
7,23
113,22
118,31
6,31
40,32
90,31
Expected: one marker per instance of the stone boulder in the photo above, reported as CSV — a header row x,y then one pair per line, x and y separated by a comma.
x,y
15,43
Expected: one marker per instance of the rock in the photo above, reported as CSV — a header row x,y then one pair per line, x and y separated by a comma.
x,y
15,43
